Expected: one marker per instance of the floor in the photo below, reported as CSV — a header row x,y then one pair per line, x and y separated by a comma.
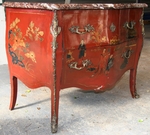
x,y
81,113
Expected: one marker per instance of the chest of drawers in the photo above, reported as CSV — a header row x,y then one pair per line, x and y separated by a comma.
x,y
89,46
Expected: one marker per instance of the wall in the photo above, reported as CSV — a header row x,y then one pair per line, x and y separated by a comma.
x,y
3,59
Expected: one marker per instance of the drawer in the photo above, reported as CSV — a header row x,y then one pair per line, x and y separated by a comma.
x,y
100,27
97,66
95,27
129,24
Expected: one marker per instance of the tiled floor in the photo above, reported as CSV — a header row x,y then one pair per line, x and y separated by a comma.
x,y
81,113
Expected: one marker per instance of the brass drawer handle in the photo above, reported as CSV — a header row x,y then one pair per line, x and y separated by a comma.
x,y
129,25
85,63
75,29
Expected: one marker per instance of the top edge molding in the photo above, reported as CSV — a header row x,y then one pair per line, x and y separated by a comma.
x,y
50,6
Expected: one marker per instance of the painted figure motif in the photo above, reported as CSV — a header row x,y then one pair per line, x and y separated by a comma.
x,y
104,65
103,61
82,49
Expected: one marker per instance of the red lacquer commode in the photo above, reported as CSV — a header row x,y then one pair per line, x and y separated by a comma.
x,y
89,46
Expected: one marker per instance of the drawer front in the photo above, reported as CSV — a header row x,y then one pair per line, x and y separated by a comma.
x,y
100,27
100,67
101,48
95,27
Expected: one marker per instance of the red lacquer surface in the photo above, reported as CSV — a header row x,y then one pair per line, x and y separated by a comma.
x,y
92,51
28,46
101,44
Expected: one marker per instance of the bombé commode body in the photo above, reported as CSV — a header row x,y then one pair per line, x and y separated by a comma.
x,y
89,46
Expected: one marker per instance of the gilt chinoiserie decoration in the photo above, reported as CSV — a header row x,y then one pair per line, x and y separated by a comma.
x,y
89,46
19,44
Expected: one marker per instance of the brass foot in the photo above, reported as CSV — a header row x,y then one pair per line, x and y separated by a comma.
x,y
53,128
137,96
54,124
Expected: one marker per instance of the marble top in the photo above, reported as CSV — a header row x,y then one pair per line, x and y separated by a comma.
x,y
50,6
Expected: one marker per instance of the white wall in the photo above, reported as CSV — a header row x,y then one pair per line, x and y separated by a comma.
x,y
3,59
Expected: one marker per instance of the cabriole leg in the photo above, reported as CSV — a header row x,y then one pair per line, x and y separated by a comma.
x,y
133,83
13,98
